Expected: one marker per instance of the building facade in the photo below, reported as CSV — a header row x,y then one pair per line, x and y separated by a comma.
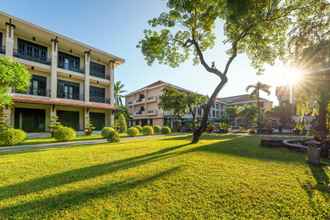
x,y
143,105
70,80
242,100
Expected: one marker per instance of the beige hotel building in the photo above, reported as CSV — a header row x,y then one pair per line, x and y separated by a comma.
x,y
69,79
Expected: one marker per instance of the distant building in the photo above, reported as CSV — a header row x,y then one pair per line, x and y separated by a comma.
x,y
143,105
242,100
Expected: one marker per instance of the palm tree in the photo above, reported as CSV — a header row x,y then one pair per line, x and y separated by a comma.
x,y
256,93
119,90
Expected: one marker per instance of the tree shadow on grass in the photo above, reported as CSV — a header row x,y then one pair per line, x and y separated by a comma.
x,y
204,137
43,208
84,173
248,147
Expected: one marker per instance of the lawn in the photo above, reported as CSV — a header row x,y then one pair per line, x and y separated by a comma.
x,y
222,177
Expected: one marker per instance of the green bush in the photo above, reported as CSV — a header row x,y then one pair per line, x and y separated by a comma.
x,y
139,127
110,134
132,132
13,136
157,129
166,130
121,124
63,133
106,131
113,136
147,130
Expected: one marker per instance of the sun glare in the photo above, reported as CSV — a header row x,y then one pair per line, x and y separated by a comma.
x,y
281,74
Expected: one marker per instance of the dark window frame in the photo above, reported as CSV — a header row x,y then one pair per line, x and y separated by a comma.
x,y
32,51
97,69
68,90
73,62
97,94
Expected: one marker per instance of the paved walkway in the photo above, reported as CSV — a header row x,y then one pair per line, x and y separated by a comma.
x,y
69,143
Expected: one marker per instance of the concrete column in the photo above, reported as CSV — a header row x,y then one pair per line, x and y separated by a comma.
x,y
112,79
87,78
109,118
53,73
10,27
86,117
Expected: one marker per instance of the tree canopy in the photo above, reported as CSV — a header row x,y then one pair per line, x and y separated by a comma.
x,y
188,29
12,75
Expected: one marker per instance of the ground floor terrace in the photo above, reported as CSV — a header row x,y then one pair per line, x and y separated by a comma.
x,y
36,117
221,177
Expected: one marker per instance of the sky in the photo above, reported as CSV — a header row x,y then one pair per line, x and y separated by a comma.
x,y
116,26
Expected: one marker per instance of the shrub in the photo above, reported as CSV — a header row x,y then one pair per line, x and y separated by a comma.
x,y
89,128
133,131
121,124
13,136
139,127
166,130
63,133
148,130
110,134
106,131
157,129
113,136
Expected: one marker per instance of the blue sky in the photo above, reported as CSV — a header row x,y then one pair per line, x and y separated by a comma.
x,y
117,26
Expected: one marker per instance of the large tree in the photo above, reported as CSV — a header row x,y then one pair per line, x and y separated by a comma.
x,y
188,28
256,89
309,44
12,76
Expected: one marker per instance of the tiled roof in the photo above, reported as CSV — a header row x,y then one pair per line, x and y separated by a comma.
x,y
239,99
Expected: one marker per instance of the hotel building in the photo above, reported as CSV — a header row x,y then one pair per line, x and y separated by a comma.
x,y
69,79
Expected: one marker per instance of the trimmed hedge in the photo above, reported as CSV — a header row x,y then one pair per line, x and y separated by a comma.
x,y
13,136
147,130
139,127
106,131
166,130
63,133
157,129
133,131
110,134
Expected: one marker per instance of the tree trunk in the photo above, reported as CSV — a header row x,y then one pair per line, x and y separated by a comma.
x,y
258,113
323,130
199,131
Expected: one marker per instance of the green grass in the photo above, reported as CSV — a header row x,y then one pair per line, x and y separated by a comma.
x,y
222,177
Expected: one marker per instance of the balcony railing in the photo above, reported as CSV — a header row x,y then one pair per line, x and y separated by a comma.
x,y
151,99
70,68
139,101
43,60
79,97
152,112
35,92
100,99
2,49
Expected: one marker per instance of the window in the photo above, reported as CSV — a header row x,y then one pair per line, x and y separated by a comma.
x,y
97,94
31,51
213,113
38,85
67,90
97,70
0,41
68,62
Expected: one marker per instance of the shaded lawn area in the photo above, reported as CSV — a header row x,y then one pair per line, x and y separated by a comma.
x,y
223,176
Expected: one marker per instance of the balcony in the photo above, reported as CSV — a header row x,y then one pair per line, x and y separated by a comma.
x,y
39,59
70,68
152,99
35,92
139,113
152,112
140,101
2,50
99,99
